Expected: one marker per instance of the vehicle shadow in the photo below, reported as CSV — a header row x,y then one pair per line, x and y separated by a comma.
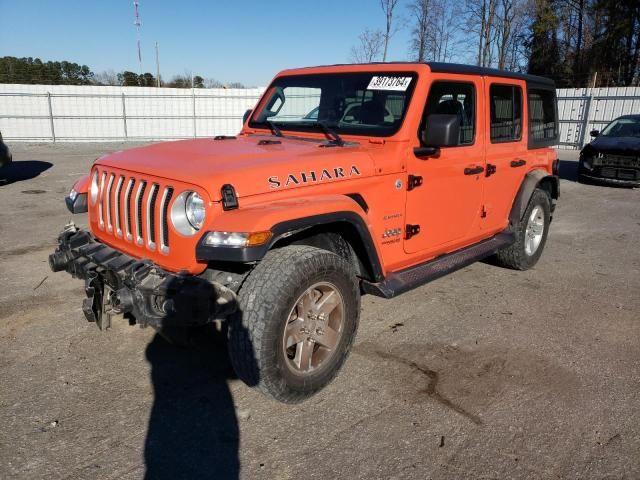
x,y
193,429
19,171
568,170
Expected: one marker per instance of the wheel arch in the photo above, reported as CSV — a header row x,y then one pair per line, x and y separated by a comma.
x,y
534,179
293,221
347,225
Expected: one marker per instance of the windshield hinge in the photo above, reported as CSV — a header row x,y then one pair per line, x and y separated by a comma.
x,y
413,181
411,230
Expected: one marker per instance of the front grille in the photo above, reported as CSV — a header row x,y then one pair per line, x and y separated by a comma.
x,y
608,172
609,160
624,174
619,173
134,208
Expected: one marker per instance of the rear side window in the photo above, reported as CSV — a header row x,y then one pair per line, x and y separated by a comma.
x,y
543,117
454,98
506,113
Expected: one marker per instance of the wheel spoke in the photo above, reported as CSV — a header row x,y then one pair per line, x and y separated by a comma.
x,y
304,352
293,332
329,339
328,302
305,304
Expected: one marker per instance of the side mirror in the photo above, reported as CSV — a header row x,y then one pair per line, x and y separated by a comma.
x,y
439,131
594,133
246,116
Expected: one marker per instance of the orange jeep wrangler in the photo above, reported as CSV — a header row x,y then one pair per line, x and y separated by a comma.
x,y
344,180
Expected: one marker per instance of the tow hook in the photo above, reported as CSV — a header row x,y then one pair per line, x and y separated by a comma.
x,y
92,305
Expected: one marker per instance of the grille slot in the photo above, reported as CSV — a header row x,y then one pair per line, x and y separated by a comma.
x,y
103,179
138,211
127,208
151,216
118,203
164,224
109,187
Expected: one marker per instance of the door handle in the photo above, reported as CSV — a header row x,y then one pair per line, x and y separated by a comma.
x,y
518,163
473,170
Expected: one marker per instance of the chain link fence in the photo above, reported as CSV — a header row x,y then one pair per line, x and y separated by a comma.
x,y
60,113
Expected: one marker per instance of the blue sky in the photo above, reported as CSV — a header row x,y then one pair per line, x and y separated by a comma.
x,y
243,40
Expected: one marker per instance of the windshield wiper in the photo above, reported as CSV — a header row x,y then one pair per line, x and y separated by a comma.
x,y
331,133
274,129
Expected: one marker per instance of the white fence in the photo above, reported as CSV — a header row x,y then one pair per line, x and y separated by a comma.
x,y
46,113
584,109
50,113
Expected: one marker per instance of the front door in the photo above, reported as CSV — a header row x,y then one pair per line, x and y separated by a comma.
x,y
447,206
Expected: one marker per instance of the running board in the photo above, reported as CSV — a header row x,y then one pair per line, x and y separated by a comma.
x,y
412,277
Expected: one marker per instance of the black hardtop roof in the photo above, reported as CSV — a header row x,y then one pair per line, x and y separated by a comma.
x,y
440,67
459,68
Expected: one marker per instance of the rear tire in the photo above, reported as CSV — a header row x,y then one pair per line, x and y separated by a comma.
x,y
298,316
531,234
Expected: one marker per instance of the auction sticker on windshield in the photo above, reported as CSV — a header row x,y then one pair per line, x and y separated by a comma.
x,y
398,84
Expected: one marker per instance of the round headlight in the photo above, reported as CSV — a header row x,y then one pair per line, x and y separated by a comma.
x,y
194,209
94,188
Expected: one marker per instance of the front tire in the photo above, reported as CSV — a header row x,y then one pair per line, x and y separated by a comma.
x,y
297,319
531,234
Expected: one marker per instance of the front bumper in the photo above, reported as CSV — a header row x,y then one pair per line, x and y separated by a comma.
x,y
117,284
624,176
609,181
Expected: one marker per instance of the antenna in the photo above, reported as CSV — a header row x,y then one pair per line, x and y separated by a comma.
x,y
138,24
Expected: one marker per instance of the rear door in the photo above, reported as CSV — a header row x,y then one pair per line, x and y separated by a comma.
x,y
447,205
507,154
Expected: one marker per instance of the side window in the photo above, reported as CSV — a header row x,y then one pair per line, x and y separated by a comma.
x,y
454,98
506,113
543,122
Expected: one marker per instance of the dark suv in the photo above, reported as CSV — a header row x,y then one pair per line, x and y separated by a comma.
x,y
5,153
613,156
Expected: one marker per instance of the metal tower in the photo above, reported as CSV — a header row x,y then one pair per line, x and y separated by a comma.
x,y
138,24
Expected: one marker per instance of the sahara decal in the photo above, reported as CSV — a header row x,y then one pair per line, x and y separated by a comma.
x,y
312,176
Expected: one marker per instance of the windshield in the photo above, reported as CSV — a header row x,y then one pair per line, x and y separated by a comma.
x,y
372,104
623,127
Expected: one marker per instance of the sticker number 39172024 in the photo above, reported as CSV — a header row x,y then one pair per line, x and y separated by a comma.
x,y
386,82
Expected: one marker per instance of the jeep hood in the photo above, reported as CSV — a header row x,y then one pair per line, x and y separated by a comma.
x,y
251,167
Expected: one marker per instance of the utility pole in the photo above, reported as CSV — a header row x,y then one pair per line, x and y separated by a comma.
x,y
157,65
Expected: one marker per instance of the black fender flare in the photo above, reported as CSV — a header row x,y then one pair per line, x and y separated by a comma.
x,y
531,181
292,227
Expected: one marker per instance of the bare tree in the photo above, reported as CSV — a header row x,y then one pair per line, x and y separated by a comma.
x,y
445,22
508,31
481,20
108,77
370,44
420,13
388,7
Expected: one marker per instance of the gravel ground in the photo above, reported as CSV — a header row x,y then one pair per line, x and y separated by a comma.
x,y
487,373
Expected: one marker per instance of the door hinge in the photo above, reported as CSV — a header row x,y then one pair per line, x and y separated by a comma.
x,y
411,230
491,169
483,212
413,181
